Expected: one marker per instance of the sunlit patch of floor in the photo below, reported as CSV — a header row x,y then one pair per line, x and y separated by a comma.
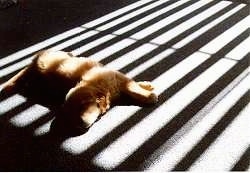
x,y
29,115
216,44
157,26
11,102
43,129
223,153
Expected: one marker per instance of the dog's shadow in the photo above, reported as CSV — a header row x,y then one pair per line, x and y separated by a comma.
x,y
53,98
19,144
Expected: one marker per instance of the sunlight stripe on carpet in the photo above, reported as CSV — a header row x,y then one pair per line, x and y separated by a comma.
x,y
130,15
157,26
217,43
165,37
202,30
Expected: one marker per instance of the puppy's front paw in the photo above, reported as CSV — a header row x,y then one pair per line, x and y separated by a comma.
x,y
146,85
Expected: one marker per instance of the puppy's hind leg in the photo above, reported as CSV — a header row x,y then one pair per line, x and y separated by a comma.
x,y
141,92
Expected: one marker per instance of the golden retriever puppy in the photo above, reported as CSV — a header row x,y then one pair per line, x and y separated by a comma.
x,y
91,87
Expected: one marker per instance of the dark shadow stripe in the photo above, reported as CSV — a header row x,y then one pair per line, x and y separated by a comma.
x,y
155,34
161,66
119,26
134,161
241,1
168,93
153,53
213,134
244,162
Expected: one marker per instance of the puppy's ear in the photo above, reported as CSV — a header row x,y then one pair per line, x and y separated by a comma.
x,y
103,102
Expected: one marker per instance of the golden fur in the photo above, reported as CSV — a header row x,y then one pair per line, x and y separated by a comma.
x,y
91,87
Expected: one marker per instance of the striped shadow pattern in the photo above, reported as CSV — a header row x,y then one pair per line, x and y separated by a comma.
x,y
196,55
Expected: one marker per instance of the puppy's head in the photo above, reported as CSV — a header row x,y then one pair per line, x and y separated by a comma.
x,y
84,104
